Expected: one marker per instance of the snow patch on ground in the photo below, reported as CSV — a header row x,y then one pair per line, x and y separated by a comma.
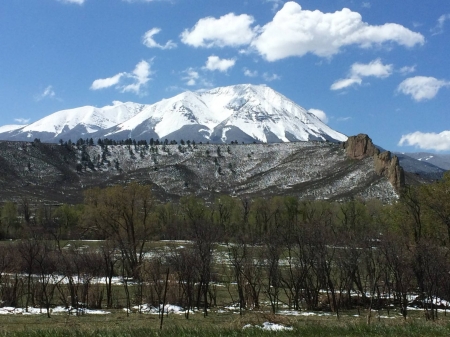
x,y
302,313
269,327
168,308
43,311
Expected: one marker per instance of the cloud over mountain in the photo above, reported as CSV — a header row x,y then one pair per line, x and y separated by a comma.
x,y
358,70
216,63
229,30
127,82
296,32
150,42
422,88
427,140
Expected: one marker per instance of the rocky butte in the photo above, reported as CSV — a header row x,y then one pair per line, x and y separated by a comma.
x,y
361,146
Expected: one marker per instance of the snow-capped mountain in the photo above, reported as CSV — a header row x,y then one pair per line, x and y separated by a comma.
x,y
74,123
243,113
11,127
438,160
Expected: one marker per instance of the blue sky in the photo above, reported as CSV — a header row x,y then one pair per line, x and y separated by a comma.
x,y
379,67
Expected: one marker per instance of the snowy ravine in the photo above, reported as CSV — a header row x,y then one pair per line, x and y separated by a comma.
x,y
243,113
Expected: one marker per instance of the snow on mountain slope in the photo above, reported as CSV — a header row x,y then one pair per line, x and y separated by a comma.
x,y
437,159
171,114
10,128
258,112
90,117
76,123
240,112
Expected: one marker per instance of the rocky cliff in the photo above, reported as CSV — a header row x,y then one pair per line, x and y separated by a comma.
x,y
361,146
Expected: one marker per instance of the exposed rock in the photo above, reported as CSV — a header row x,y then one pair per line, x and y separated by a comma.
x,y
361,146
388,166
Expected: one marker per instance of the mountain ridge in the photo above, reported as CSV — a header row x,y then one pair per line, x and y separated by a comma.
x,y
244,113
441,161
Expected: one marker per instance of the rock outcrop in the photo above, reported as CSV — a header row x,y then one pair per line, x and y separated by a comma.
x,y
388,166
361,146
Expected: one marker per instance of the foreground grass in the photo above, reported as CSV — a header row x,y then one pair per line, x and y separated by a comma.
x,y
308,330
224,325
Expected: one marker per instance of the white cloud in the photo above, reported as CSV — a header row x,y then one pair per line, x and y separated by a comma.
x,y
275,4
319,114
359,70
127,82
140,76
296,32
407,70
222,65
148,40
191,77
229,30
343,119
422,88
427,141
344,83
375,68
366,5
271,77
22,120
103,83
249,73
78,2
439,28
47,93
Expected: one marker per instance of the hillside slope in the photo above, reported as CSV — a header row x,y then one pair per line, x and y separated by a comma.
x,y
314,170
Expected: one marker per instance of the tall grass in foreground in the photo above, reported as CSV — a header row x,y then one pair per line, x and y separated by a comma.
x,y
414,329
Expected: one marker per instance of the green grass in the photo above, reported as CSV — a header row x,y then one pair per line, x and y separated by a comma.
x,y
227,324
304,331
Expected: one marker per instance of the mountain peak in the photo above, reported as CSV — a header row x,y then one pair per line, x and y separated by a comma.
x,y
242,112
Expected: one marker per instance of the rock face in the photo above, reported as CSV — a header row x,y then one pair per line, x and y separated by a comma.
x,y
388,166
361,146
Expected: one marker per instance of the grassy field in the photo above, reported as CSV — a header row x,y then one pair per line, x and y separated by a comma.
x,y
220,324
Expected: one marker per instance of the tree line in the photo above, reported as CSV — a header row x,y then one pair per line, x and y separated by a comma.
x,y
306,255
129,141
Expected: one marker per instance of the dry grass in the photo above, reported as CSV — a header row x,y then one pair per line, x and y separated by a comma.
x,y
217,324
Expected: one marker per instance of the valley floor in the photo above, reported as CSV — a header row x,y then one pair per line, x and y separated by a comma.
x,y
224,323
